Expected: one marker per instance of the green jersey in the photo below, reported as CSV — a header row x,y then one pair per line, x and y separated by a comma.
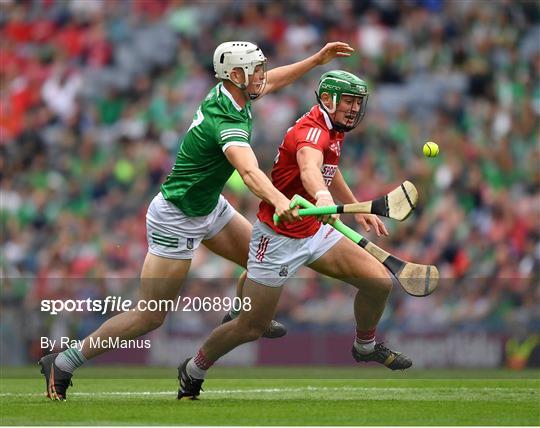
x,y
201,168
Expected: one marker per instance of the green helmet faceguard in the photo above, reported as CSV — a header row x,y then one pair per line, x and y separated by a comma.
x,y
338,83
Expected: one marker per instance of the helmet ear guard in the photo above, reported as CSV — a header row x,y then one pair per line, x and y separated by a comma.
x,y
334,103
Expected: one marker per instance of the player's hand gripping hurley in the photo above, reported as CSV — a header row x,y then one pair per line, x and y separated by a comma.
x,y
417,280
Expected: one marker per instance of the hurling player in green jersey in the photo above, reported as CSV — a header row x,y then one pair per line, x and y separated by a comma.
x,y
189,210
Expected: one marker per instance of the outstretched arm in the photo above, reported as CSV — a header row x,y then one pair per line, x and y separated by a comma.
x,y
310,161
279,77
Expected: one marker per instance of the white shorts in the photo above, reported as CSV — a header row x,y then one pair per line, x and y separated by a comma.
x,y
172,234
273,258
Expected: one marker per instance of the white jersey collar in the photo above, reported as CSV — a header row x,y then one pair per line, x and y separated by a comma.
x,y
326,118
229,96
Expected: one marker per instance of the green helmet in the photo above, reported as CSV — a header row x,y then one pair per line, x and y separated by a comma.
x,y
337,83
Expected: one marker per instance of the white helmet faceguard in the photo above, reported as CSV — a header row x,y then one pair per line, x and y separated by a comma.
x,y
244,55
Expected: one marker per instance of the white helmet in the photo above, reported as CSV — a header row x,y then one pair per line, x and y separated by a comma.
x,y
244,55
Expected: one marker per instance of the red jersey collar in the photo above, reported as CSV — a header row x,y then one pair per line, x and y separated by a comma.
x,y
326,118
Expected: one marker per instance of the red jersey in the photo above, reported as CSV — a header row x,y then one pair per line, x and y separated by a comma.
x,y
314,129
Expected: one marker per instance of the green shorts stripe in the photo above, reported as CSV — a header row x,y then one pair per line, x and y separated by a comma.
x,y
165,243
164,238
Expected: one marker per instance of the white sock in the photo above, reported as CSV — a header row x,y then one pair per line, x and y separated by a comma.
x,y
194,371
365,347
69,360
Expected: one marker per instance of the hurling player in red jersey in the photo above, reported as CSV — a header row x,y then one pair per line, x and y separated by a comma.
x,y
307,164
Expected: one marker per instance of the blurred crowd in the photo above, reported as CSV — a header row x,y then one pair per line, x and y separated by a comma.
x,y
96,95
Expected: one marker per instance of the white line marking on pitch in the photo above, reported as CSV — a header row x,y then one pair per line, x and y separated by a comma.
x,y
445,391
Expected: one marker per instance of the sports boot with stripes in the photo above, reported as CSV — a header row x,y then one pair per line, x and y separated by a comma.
x,y
381,354
190,388
57,381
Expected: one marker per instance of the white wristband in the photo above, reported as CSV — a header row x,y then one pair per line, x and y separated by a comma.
x,y
321,193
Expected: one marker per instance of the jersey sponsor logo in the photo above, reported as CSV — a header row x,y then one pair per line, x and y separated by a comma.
x,y
328,171
313,135
263,245
284,270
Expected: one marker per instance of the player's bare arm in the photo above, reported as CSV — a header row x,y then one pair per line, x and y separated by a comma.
x,y
310,162
279,77
245,162
343,193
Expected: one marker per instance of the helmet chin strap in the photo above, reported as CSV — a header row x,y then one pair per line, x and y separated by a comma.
x,y
337,126
325,108
334,105
243,87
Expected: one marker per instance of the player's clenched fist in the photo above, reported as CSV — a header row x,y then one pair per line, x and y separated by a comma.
x,y
285,213
324,199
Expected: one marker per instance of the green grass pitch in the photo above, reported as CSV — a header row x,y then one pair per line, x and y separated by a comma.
x,y
277,396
